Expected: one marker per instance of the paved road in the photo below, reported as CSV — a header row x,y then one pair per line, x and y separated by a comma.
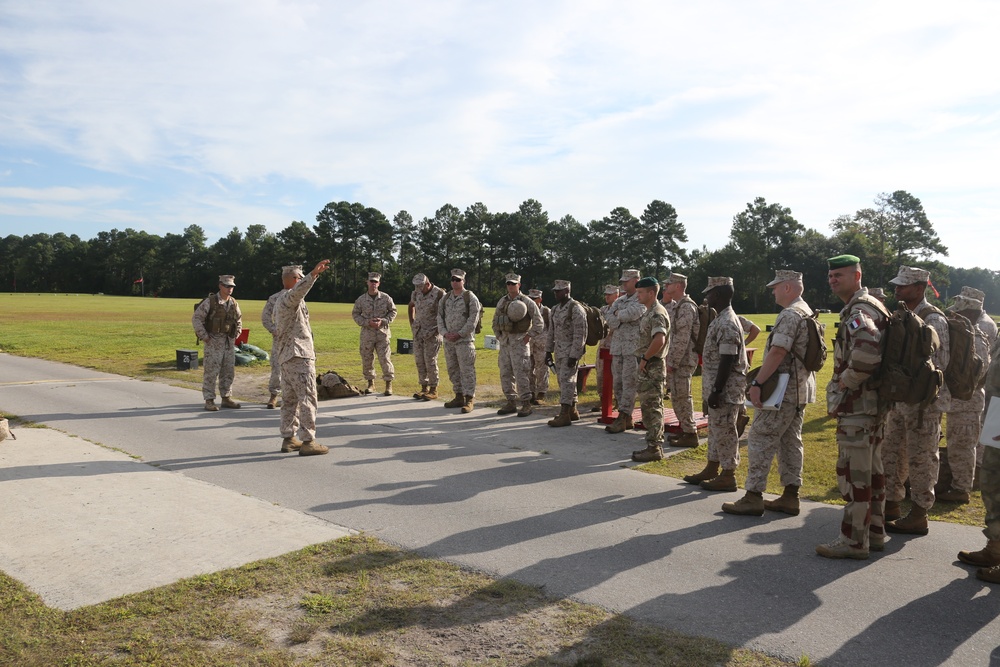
x,y
558,508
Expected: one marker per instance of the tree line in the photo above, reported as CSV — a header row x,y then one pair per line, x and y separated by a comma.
x,y
894,230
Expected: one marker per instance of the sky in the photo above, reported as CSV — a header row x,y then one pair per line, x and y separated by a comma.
x,y
228,113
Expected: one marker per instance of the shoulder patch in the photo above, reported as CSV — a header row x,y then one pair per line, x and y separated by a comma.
x,y
856,323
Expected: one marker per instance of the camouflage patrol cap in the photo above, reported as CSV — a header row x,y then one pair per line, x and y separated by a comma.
x,y
512,278
535,294
674,278
561,285
840,261
629,274
781,276
717,281
611,289
420,279
292,270
908,275
227,280
374,275
458,273
965,303
877,292
973,293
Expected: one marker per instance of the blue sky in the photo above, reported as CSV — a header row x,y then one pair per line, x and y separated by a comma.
x,y
224,114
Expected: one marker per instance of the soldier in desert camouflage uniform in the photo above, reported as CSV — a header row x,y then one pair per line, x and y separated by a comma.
x,y
611,293
422,312
912,432
682,360
623,321
267,320
374,311
780,431
854,401
724,363
567,345
297,356
458,313
539,379
654,336
218,322
515,338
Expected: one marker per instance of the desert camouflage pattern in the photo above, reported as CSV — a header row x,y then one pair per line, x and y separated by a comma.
x,y
685,325
460,359
426,338
939,321
605,344
857,355
723,440
375,342
775,432
569,341
790,333
911,451
650,382
623,321
514,354
725,338
539,379
220,352
460,355
964,426
860,478
988,327
267,321
989,485
297,356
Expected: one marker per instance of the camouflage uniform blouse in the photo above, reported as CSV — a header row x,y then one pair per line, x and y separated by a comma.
x,y
425,313
369,307
790,334
655,320
857,355
684,319
725,337
623,319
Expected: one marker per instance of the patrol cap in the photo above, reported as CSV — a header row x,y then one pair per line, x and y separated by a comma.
x,y
675,278
512,278
227,280
629,274
611,289
909,275
535,294
648,281
840,261
458,273
292,270
781,276
374,276
965,303
717,281
420,279
973,293
560,285
876,292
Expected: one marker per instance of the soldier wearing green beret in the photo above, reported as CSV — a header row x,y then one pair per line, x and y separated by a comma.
x,y
654,332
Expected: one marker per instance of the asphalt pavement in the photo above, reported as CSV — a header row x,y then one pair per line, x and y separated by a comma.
x,y
509,496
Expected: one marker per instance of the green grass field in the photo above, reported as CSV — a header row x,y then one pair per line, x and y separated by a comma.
x,y
139,337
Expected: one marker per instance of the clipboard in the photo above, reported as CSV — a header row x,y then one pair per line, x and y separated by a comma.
x,y
991,427
773,401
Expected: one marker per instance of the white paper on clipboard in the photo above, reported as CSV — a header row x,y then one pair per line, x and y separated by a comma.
x,y
774,400
991,428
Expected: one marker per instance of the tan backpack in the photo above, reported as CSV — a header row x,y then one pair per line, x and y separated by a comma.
x,y
908,374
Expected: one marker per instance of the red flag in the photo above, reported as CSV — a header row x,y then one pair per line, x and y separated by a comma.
x,y
937,294
137,281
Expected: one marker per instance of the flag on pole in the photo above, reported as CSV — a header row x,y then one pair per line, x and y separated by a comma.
x,y
137,281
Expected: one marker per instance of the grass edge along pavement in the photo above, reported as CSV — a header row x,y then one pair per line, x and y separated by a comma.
x,y
139,337
355,599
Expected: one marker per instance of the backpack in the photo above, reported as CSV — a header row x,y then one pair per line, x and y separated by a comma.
x,y
966,367
816,349
466,296
333,385
907,374
597,326
705,317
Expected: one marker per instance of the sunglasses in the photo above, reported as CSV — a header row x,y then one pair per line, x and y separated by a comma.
x,y
373,281
456,279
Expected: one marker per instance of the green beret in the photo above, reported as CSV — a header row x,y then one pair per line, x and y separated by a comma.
x,y
648,281
840,261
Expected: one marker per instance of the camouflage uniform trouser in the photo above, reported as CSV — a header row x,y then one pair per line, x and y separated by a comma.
x,y
989,483
539,380
220,364
723,443
861,479
625,373
425,353
514,358
375,343
298,405
963,438
911,451
274,384
567,381
775,431
650,392
680,398
460,357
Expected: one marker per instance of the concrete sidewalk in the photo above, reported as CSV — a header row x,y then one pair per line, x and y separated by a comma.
x,y
553,507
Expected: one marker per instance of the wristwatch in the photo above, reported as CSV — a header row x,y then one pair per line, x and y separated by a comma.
x,y
754,383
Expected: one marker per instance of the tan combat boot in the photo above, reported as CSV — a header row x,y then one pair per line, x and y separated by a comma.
x,y
420,394
629,424
710,471
651,453
953,495
751,504
574,414
456,402
525,410
508,409
272,402
211,406
468,404
370,389
431,394
991,574
788,502
842,548
228,402
388,388
564,417
892,511
726,481
312,448
876,541
534,398
914,523
617,426
686,440
988,556
290,444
